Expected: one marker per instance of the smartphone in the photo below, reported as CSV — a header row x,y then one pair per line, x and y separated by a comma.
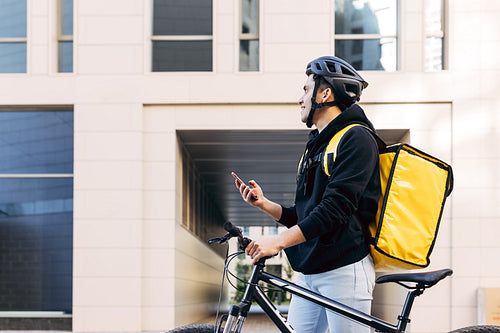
x,y
238,178
242,183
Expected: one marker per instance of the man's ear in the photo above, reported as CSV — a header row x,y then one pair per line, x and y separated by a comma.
x,y
327,95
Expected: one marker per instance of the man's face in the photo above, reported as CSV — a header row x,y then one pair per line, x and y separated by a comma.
x,y
305,100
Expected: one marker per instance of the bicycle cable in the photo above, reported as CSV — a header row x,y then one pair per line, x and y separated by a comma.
x,y
228,273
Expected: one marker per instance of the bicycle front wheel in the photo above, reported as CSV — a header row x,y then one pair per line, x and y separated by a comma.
x,y
195,329
478,329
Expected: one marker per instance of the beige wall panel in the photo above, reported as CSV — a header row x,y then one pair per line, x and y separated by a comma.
x,y
158,262
108,118
110,7
157,233
109,175
284,28
112,204
157,318
111,29
158,292
106,233
159,205
110,59
101,146
114,292
108,262
107,319
297,56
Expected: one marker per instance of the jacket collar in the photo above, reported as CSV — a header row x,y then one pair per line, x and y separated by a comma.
x,y
352,115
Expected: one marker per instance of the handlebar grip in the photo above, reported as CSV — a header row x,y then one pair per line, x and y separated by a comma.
x,y
232,229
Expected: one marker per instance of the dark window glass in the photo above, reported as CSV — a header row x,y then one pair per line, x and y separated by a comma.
x,y
12,18
36,242
182,17
65,57
182,56
36,142
12,57
66,17
249,55
367,54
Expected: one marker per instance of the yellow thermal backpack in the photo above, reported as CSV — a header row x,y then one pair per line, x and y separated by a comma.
x,y
414,187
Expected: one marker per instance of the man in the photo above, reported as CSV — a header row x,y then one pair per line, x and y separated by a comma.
x,y
326,237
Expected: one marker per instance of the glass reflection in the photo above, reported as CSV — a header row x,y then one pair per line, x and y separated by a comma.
x,y
12,18
433,54
366,17
249,16
182,17
368,54
433,16
67,17
36,142
36,238
182,56
249,55
12,57
65,58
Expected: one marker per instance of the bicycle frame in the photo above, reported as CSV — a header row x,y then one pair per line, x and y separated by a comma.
x,y
238,313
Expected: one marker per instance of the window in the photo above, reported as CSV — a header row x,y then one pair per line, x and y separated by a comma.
x,y
249,36
182,35
36,210
434,35
366,33
65,39
13,41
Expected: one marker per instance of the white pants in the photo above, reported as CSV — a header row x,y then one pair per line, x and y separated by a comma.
x,y
351,285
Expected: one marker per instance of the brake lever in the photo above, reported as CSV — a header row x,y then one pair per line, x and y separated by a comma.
x,y
220,240
214,240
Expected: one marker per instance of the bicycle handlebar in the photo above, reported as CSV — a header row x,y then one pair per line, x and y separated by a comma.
x,y
232,231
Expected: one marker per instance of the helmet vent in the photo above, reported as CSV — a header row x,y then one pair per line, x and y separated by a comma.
x,y
346,71
331,67
351,90
318,66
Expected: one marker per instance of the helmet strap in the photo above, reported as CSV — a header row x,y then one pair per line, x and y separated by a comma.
x,y
315,105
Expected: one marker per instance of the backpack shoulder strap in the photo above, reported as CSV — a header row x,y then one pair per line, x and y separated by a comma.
x,y
330,152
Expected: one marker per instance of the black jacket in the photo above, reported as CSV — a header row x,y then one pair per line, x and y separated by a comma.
x,y
333,212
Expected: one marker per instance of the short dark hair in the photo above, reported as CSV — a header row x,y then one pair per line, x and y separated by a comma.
x,y
324,84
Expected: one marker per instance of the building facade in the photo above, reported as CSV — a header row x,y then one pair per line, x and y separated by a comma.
x,y
102,189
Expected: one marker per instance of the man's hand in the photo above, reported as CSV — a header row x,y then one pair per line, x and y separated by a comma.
x,y
252,195
263,247
271,245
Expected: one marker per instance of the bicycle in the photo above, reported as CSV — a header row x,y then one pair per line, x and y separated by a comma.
x,y
233,321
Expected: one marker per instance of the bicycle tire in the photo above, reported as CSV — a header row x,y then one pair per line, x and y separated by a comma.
x,y
478,329
194,329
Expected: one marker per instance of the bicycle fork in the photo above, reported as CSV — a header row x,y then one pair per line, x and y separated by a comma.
x,y
234,321
238,313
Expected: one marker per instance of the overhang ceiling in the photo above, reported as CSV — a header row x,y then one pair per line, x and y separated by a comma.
x,y
268,157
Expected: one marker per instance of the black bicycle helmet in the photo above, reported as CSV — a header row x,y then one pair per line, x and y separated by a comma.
x,y
347,84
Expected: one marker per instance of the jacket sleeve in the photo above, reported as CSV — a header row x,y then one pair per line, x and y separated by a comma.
x,y
356,161
288,216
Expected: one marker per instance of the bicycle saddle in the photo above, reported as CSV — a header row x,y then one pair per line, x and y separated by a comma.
x,y
426,279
